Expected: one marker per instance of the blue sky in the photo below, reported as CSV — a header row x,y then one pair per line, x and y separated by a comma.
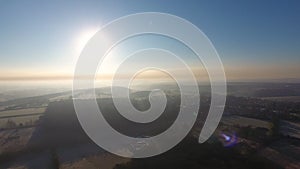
x,y
251,37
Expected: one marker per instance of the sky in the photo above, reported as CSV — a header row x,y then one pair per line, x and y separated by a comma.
x,y
256,39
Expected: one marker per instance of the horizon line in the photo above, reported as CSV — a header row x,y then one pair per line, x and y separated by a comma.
x,y
108,77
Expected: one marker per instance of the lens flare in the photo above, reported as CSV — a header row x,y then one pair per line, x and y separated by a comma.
x,y
228,140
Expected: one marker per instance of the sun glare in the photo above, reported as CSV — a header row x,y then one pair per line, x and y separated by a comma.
x,y
83,38
80,40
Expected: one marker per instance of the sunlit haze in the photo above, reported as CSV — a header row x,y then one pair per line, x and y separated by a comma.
x,y
253,43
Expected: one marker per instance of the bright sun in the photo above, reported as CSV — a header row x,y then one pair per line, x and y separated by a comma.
x,y
83,38
79,42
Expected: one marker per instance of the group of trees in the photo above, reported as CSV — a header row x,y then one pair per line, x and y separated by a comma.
x,y
12,124
190,154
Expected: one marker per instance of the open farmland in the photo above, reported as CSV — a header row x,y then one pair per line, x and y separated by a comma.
x,y
22,112
20,117
245,121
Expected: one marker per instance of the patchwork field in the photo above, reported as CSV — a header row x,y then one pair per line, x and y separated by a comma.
x,y
18,117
